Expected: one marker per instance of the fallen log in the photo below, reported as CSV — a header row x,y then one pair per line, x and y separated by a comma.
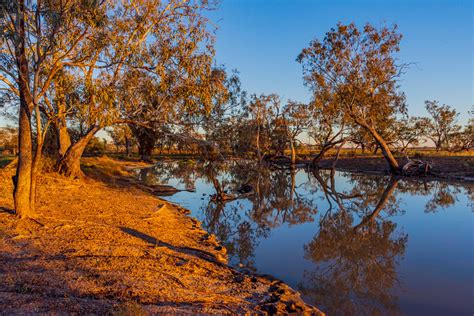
x,y
229,197
415,168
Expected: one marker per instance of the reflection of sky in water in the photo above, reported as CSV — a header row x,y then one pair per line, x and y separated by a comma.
x,y
435,271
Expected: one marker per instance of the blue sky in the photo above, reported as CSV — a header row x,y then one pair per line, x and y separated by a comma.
x,y
261,39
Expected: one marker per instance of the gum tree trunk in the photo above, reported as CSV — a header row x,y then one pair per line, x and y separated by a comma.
x,y
145,151
64,140
146,139
336,158
257,143
70,163
22,179
392,162
37,160
380,142
319,156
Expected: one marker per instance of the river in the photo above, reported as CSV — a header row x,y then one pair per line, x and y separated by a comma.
x,y
352,244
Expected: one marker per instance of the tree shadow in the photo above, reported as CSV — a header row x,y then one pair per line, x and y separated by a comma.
x,y
183,250
55,282
7,210
35,279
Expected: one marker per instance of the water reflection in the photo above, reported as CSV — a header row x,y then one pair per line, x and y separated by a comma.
x,y
356,259
356,244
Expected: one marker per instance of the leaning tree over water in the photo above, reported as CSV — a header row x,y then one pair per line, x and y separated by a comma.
x,y
355,70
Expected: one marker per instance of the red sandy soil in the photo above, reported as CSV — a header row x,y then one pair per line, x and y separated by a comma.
x,y
96,247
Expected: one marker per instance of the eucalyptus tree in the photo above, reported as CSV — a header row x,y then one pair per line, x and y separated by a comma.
x,y
186,125
410,131
442,124
358,69
220,125
66,60
463,139
155,68
262,112
122,137
296,119
37,40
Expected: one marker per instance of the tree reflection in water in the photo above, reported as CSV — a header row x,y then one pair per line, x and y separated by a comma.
x,y
355,250
273,202
356,246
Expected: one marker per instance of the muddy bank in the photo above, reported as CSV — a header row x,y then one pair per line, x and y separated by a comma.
x,y
455,168
105,247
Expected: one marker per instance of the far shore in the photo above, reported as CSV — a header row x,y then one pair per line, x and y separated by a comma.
x,y
453,167
449,168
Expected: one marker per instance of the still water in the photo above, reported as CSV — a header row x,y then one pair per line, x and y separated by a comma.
x,y
351,244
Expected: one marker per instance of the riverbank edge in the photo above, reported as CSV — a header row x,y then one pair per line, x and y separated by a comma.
x,y
27,289
451,169
454,169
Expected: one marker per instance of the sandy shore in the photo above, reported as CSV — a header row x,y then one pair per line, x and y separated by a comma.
x,y
98,247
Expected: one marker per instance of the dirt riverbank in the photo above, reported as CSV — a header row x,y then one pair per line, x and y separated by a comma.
x,y
455,168
103,245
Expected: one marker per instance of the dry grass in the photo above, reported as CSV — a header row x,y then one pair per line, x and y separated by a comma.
x,y
94,247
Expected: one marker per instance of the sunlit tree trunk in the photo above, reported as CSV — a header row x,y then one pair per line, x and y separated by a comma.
x,y
338,153
70,163
37,160
64,139
391,161
22,179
